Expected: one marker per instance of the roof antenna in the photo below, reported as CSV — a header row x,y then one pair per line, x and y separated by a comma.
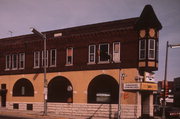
x,y
10,33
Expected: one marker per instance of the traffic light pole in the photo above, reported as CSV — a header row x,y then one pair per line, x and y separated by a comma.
x,y
165,80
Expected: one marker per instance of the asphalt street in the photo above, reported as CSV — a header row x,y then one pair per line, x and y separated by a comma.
x,y
11,117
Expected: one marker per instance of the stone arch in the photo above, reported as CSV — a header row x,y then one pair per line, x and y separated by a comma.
x,y
60,90
103,89
23,87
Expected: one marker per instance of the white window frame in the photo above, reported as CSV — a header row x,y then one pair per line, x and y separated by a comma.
x,y
94,54
13,63
67,63
157,50
21,59
51,57
37,59
142,49
100,53
117,54
8,62
46,58
149,49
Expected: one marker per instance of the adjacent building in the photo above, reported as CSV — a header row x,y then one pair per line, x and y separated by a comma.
x,y
177,91
84,67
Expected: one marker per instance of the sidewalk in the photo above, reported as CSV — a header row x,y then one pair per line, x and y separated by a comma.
x,y
28,114
39,115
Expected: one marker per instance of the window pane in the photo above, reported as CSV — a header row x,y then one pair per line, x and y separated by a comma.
x,y
142,46
92,53
69,52
69,60
91,49
142,49
152,44
92,58
36,59
8,61
151,53
104,54
116,47
14,61
69,56
53,57
21,60
142,54
46,58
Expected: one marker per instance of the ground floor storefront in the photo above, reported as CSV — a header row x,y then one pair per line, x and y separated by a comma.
x,y
79,93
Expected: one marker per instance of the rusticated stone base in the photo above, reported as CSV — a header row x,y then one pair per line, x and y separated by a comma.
x,y
81,109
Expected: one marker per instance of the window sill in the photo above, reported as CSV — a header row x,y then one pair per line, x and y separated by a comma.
x,y
36,67
91,63
52,66
116,61
103,62
7,69
69,65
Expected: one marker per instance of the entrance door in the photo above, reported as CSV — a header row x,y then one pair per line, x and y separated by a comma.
x,y
3,95
145,104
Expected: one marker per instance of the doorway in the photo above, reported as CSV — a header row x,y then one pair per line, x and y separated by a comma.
x,y
145,104
3,95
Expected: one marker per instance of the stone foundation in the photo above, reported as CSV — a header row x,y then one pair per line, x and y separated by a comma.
x,y
81,109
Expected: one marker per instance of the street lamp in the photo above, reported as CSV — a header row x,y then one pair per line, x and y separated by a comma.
x,y
43,36
165,75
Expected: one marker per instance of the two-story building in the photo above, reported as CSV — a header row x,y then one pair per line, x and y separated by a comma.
x,y
84,66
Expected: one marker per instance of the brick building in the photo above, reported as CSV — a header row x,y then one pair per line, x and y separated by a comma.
x,y
84,64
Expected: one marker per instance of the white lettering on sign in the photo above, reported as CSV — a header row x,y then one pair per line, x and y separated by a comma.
x,y
132,86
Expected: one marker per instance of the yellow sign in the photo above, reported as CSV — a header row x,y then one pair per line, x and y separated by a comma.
x,y
149,86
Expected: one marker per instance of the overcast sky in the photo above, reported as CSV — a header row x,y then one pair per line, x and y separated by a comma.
x,y
17,16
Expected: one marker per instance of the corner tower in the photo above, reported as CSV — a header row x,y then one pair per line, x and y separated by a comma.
x,y
148,27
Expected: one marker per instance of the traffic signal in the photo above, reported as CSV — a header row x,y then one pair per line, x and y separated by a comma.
x,y
167,90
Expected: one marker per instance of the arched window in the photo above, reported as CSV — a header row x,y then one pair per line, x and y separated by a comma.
x,y
60,90
23,87
103,89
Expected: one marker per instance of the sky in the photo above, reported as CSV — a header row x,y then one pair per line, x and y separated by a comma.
x,y
17,16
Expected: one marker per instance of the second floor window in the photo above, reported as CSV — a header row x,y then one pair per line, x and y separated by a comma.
x,y
151,51
8,62
52,57
142,49
104,53
37,59
45,58
69,56
92,50
116,52
14,61
21,61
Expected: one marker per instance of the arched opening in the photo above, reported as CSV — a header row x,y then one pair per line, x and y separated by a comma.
x,y
60,90
23,87
103,89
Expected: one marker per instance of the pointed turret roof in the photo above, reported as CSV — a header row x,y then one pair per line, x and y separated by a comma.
x,y
148,19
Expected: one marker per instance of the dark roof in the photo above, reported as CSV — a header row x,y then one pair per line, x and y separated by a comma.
x,y
98,27
91,28
148,19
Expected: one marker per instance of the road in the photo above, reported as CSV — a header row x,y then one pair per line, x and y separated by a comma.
x,y
11,117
